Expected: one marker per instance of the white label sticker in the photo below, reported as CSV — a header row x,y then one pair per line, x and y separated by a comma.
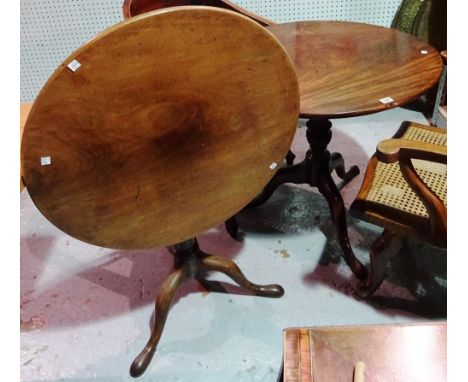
x,y
423,51
273,165
45,161
386,100
74,65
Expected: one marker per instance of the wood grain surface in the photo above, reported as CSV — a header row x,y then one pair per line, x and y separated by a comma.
x,y
131,8
160,134
402,352
345,68
391,150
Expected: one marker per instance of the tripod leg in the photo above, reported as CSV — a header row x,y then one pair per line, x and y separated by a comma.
x,y
230,269
290,174
162,306
328,189
382,250
337,164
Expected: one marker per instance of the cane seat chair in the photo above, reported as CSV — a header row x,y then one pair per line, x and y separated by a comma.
x,y
405,192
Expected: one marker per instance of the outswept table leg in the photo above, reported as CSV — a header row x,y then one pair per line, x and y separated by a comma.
x,y
337,164
191,262
162,306
289,174
329,190
230,269
315,171
320,162
382,250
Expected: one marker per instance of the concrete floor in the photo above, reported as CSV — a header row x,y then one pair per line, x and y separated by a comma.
x,y
86,311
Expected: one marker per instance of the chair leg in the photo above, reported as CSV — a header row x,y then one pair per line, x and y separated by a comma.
x,y
382,250
230,269
163,304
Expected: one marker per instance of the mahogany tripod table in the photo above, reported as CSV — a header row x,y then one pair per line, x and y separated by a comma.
x,y
148,136
347,69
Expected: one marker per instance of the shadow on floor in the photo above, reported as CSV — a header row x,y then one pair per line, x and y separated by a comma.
x,y
112,285
417,279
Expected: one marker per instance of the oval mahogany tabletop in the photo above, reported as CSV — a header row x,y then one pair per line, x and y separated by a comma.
x,y
346,68
171,124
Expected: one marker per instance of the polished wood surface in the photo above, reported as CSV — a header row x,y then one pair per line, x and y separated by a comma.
x,y
133,8
402,352
345,68
160,134
392,150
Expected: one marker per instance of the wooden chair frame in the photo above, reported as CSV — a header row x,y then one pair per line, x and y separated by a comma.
x,y
389,243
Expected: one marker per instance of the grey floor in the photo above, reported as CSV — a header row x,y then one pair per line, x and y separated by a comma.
x,y
86,311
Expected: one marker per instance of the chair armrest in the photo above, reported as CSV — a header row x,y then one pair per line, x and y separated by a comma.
x,y
402,151
392,150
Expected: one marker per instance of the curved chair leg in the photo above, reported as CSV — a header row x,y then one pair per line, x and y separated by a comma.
x,y
230,269
232,227
337,164
163,304
290,174
328,189
382,250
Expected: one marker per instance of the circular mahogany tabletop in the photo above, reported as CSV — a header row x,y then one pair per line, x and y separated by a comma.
x,y
160,134
346,68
